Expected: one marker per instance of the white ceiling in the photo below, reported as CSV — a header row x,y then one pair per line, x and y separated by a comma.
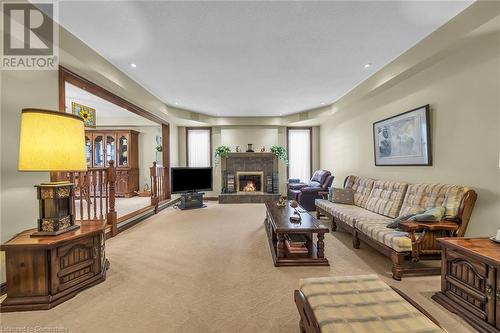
x,y
253,58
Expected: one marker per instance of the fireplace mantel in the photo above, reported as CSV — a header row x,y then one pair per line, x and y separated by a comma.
x,y
251,155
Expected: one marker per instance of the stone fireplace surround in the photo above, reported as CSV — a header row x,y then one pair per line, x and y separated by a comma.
x,y
262,163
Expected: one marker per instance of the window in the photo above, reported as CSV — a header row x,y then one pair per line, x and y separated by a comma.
x,y
198,147
299,153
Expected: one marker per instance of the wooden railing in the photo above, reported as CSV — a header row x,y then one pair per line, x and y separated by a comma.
x,y
160,190
94,197
95,192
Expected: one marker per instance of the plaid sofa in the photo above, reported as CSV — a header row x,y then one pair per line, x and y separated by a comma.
x,y
378,202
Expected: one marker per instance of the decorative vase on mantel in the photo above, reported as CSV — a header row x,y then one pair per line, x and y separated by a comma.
x,y
250,149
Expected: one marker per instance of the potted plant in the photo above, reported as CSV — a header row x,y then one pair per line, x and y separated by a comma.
x,y
281,153
221,152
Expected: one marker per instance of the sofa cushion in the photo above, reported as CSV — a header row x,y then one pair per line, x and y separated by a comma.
x,y
386,197
362,303
422,197
362,187
377,230
453,199
349,214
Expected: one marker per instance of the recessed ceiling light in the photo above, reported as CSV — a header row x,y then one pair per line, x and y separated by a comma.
x,y
133,65
322,103
176,103
368,65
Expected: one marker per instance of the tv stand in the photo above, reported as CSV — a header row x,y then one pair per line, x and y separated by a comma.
x,y
191,200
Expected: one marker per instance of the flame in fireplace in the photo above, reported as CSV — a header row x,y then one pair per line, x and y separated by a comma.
x,y
249,187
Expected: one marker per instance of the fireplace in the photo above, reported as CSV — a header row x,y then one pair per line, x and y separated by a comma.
x,y
257,172
250,181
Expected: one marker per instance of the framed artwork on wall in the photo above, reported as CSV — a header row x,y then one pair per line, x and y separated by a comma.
x,y
403,139
85,112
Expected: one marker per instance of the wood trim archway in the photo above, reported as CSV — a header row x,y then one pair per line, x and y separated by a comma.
x,y
66,75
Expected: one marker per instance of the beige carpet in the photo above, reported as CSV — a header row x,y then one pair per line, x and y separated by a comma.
x,y
210,270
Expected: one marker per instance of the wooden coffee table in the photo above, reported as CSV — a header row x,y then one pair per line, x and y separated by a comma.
x,y
278,224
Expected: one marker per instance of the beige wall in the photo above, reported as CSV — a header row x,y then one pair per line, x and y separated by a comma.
x,y
21,89
259,136
19,206
464,93
241,136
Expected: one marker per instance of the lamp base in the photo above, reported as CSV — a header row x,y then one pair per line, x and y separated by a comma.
x,y
56,209
54,233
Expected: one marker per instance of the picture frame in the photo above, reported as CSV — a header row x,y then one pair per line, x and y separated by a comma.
x,y
403,139
87,113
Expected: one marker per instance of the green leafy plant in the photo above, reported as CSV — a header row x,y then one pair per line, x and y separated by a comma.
x,y
281,153
221,152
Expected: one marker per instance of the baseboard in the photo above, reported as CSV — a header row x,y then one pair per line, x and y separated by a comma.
x,y
166,204
135,220
3,288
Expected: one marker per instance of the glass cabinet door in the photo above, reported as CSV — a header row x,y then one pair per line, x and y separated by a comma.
x,y
98,151
88,151
110,149
123,150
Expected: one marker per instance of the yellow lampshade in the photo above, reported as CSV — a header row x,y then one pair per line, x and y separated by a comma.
x,y
51,141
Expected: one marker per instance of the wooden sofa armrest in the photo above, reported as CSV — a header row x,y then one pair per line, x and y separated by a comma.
x,y
413,226
430,231
323,194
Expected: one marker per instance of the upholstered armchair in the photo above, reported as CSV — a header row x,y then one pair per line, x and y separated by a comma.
x,y
306,193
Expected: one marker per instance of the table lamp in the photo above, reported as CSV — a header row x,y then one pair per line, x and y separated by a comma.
x,y
52,141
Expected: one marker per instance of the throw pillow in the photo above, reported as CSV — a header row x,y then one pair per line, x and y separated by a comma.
x,y
342,195
433,214
395,222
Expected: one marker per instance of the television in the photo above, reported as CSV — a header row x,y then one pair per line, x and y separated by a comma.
x,y
190,179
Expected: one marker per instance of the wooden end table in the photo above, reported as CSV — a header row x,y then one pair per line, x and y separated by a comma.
x,y
43,272
470,281
278,224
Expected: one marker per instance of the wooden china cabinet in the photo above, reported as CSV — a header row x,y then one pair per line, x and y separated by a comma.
x,y
121,146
